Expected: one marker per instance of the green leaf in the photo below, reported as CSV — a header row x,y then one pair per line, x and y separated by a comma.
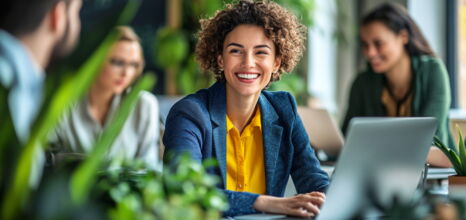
x,y
455,160
291,82
171,47
211,6
186,81
210,162
303,9
451,154
462,153
128,208
438,143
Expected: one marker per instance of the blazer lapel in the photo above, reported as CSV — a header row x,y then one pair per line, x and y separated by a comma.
x,y
217,108
271,134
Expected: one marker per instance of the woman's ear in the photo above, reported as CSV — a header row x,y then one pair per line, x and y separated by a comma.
x,y
404,36
220,61
277,64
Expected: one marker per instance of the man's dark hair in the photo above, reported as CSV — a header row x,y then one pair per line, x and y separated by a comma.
x,y
20,17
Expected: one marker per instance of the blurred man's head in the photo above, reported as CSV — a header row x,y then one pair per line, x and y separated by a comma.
x,y
73,26
55,21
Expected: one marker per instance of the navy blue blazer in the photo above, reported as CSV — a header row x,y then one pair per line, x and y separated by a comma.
x,y
197,124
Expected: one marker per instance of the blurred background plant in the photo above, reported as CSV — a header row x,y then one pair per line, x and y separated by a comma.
x,y
422,206
174,47
130,191
186,192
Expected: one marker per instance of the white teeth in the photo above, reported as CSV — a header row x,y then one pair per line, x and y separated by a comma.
x,y
248,76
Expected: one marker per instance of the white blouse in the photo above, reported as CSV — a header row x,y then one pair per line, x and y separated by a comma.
x,y
139,137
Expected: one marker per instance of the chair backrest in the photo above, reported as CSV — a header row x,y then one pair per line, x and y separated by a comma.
x,y
322,130
165,104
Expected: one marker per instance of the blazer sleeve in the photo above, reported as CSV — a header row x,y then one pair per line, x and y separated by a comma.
x,y
305,170
240,203
437,101
184,130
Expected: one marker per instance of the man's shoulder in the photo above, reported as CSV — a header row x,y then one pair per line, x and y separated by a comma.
x,y
7,71
16,64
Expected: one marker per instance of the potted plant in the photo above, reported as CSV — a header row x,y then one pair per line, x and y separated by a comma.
x,y
184,192
456,183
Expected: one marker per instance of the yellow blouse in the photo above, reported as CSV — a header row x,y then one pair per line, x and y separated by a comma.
x,y
394,108
245,157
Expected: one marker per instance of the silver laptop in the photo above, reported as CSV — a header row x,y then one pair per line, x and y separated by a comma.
x,y
322,129
382,157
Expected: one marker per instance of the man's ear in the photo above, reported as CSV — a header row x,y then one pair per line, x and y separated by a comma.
x,y
57,19
220,61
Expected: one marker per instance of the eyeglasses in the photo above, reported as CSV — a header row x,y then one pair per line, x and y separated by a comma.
x,y
119,63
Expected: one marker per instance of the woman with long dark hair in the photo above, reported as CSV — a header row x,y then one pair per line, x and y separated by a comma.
x,y
404,77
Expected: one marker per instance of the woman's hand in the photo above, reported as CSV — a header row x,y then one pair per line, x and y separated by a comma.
x,y
302,205
437,158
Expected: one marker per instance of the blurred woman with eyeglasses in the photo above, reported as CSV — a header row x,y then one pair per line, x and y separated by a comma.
x,y
139,137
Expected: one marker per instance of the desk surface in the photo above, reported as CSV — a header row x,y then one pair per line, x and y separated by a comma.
x,y
432,172
440,173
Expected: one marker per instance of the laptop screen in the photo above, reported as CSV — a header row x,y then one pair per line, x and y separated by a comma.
x,y
382,157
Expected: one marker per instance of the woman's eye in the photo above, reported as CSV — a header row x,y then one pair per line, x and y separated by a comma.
x,y
262,52
363,44
117,62
235,51
135,65
378,43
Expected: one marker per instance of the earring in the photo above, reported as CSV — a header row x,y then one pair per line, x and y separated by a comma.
x,y
275,76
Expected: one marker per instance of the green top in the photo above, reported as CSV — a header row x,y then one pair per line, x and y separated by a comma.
x,y
430,88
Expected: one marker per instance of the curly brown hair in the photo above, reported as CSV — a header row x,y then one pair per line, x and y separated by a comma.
x,y
280,26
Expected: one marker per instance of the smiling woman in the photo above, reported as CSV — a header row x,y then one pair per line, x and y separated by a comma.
x,y
256,135
403,78
248,60
138,139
